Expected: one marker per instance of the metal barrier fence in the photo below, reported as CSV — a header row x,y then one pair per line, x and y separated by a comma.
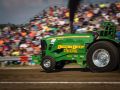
x,y
18,58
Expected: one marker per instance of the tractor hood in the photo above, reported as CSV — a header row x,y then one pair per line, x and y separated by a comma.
x,y
84,36
59,47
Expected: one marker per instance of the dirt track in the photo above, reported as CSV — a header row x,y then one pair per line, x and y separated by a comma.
x,y
66,75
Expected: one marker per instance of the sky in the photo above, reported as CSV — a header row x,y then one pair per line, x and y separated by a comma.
x,y
20,11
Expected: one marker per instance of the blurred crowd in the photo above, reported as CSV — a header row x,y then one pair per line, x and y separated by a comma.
x,y
55,21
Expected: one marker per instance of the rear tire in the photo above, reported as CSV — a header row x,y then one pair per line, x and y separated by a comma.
x,y
48,64
102,56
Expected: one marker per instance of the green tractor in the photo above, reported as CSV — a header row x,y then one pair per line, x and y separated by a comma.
x,y
98,51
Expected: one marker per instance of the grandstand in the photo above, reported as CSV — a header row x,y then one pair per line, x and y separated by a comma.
x,y
25,41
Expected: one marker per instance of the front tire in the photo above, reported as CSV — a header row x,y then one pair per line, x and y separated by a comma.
x,y
102,56
48,64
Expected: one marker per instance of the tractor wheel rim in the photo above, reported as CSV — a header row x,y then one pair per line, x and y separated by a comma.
x,y
47,63
101,58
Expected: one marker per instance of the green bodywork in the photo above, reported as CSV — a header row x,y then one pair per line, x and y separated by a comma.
x,y
73,47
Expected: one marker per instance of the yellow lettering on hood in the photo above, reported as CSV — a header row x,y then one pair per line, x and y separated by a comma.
x,y
71,46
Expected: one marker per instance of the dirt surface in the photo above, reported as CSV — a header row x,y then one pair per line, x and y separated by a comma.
x,y
66,75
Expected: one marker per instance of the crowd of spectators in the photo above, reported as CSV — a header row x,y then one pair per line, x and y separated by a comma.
x,y
55,21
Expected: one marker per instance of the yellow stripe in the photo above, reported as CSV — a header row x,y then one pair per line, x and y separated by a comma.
x,y
70,37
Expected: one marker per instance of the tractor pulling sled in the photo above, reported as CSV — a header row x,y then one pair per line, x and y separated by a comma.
x,y
98,51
